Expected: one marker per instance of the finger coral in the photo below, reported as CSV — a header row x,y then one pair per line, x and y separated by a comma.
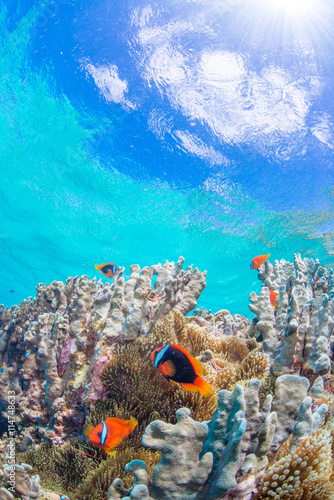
x,y
297,334
81,352
53,348
18,479
236,442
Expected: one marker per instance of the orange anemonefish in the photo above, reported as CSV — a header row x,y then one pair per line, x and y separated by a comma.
x,y
64,497
273,296
259,260
110,433
176,364
108,269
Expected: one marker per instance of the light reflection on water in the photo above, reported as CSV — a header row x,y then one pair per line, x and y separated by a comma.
x,y
202,128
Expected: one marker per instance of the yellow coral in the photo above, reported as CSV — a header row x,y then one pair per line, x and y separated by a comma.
x,y
79,377
254,365
223,377
303,474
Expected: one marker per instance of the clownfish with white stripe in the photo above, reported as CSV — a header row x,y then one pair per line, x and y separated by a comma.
x,y
176,364
109,269
64,497
110,433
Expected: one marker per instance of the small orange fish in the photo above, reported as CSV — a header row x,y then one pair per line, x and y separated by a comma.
x,y
109,269
259,260
273,296
175,363
110,433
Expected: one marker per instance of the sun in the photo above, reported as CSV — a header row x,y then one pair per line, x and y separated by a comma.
x,y
294,6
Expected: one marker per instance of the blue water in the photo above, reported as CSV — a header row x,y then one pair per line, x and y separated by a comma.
x,y
135,132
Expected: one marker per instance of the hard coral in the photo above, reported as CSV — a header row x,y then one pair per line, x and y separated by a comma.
x,y
54,347
298,334
18,479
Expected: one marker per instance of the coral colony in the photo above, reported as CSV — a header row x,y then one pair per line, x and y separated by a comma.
x,y
80,354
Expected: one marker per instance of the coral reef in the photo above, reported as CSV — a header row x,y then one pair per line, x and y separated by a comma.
x,y
180,474
222,322
16,479
79,353
135,387
210,461
84,477
302,473
299,333
54,347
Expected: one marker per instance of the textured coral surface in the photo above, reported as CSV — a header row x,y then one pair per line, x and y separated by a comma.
x,y
79,353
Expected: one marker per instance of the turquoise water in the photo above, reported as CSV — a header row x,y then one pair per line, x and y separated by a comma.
x,y
80,185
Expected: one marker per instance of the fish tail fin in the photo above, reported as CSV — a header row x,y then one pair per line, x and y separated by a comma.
x,y
88,430
111,452
268,255
97,267
204,388
132,423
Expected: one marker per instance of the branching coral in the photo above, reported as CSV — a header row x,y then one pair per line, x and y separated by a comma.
x,y
133,307
181,473
68,355
299,333
53,348
221,323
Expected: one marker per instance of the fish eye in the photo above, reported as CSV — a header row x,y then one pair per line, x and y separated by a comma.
x,y
99,434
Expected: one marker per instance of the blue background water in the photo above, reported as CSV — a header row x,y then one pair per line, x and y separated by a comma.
x,y
135,132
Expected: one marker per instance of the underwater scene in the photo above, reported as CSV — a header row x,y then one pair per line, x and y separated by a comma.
x,y
167,223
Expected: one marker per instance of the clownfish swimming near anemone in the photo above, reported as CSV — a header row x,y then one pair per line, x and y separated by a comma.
x,y
176,364
109,269
110,433
259,260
